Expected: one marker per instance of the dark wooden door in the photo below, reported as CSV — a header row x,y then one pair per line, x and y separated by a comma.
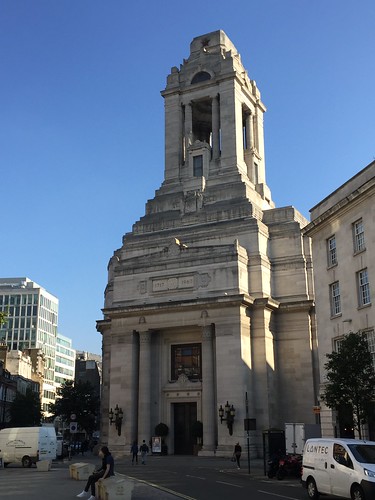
x,y
184,416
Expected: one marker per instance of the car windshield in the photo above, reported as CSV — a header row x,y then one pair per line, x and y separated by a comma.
x,y
363,453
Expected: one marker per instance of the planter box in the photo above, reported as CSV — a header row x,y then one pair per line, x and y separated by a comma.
x,y
44,465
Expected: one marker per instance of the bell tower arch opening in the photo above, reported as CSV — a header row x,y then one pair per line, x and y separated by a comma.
x,y
211,103
202,120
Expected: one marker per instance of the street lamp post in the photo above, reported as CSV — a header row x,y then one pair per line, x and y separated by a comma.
x,y
229,412
116,417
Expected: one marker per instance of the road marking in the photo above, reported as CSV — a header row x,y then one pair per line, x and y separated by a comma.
x,y
196,477
157,486
276,495
230,484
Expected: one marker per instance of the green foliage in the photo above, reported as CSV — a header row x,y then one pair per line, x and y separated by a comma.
x,y
78,399
161,430
26,410
197,429
351,378
3,317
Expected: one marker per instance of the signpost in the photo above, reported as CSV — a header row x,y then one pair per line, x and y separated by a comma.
x,y
249,425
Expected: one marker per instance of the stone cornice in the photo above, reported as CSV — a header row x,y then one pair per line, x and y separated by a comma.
x,y
298,305
163,307
102,325
342,206
266,303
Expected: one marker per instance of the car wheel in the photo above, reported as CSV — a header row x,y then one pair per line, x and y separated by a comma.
x,y
312,490
26,462
357,493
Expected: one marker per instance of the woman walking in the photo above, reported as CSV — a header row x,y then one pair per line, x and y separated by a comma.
x,y
237,453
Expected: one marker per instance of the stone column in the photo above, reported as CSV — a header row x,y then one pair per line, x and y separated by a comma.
x,y
208,391
215,128
249,131
144,399
188,126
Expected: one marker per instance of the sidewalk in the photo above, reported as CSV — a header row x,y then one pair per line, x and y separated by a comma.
x,y
18,483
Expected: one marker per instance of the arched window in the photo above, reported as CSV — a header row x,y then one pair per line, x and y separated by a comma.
x,y
201,77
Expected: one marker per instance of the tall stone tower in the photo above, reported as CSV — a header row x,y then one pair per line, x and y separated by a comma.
x,y
210,298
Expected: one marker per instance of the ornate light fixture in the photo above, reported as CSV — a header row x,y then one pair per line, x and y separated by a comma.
x,y
116,418
229,412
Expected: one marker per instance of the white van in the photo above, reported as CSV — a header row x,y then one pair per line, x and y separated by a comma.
x,y
339,467
27,445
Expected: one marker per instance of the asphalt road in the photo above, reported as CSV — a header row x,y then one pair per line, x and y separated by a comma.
x,y
163,478
198,478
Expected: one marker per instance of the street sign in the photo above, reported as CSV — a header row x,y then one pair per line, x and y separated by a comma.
x,y
316,409
73,416
73,427
250,424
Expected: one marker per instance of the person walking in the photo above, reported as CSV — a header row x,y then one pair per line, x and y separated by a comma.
x,y
144,450
134,450
106,470
237,453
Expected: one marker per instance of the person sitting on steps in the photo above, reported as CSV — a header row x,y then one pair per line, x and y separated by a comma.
x,y
106,470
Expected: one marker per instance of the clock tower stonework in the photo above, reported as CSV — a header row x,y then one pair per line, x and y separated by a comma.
x,y
210,297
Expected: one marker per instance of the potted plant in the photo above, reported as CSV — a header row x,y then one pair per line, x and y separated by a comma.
x,y
197,432
162,431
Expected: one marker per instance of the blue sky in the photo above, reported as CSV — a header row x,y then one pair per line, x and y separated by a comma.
x,y
82,120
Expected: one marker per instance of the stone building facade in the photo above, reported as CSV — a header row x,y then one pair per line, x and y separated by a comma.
x,y
210,298
343,240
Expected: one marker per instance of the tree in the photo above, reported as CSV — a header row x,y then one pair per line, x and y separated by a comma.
x,y
351,378
161,430
78,399
25,410
3,317
197,430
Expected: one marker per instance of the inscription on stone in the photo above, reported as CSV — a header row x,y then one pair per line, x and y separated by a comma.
x,y
175,283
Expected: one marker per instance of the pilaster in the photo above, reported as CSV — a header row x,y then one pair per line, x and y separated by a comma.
x,y
144,398
208,391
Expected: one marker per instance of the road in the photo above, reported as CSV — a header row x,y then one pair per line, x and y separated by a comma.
x,y
198,478
162,478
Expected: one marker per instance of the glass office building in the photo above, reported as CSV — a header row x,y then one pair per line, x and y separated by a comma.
x,y
32,319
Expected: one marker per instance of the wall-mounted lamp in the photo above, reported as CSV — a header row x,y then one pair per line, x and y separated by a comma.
x,y
229,412
116,418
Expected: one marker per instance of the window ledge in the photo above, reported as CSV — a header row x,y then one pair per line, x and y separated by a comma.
x,y
336,316
332,265
357,252
364,306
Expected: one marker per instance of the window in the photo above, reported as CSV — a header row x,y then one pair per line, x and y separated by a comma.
x,y
186,359
334,290
198,166
359,236
256,173
337,344
201,77
331,251
363,288
341,456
